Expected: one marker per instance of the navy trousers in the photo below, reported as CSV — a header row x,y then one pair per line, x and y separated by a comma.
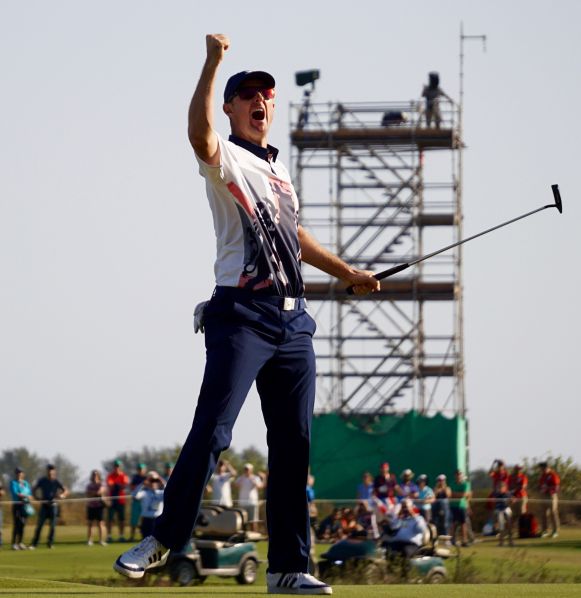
x,y
47,512
251,337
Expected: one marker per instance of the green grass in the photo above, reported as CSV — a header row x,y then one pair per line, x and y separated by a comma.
x,y
534,560
395,591
74,569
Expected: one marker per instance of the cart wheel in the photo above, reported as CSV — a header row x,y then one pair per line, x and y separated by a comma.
x,y
436,577
247,573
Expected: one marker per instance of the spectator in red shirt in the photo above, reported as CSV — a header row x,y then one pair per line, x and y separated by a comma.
x,y
117,482
518,483
384,484
499,475
549,486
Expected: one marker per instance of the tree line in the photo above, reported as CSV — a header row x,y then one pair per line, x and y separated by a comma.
x,y
71,476
156,458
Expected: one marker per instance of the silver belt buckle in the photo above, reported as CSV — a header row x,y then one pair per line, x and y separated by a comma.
x,y
288,304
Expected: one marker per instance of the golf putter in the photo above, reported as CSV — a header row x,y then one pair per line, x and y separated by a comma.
x,y
399,268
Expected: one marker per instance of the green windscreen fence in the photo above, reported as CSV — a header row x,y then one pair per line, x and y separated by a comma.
x,y
344,448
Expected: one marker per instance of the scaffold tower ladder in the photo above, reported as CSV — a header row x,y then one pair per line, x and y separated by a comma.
x,y
378,186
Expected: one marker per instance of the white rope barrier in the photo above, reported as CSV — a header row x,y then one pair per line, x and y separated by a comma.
x,y
320,501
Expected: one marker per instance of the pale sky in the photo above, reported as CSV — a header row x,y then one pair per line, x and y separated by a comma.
x,y
106,239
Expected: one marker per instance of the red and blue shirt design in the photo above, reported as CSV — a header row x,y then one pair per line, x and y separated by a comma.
x,y
255,211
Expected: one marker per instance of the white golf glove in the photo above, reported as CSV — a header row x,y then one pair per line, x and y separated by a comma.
x,y
199,316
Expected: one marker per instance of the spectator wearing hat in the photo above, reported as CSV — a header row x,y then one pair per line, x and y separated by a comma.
x,y
20,494
49,490
96,493
426,498
441,505
117,482
136,480
549,486
408,488
248,486
150,495
518,484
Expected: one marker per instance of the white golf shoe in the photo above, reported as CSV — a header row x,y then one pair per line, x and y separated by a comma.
x,y
148,554
302,584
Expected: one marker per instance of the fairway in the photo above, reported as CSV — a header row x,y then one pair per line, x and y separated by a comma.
x,y
74,569
440,591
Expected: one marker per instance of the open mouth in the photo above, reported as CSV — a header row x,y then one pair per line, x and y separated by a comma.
x,y
258,114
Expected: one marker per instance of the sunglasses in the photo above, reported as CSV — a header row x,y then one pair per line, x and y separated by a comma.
x,y
248,93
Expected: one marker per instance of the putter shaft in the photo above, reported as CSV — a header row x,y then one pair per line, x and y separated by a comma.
x,y
395,269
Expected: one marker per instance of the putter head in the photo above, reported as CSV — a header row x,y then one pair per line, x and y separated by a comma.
x,y
557,196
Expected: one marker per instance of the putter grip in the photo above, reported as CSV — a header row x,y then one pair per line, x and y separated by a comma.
x,y
384,274
391,271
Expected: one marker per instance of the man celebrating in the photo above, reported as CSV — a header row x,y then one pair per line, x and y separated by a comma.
x,y
256,328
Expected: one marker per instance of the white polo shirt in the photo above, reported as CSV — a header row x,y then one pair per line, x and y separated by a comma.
x,y
255,212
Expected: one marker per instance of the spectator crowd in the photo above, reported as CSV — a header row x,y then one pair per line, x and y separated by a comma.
x,y
111,498
385,498
382,502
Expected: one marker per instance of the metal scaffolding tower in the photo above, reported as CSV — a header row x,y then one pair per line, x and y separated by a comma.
x,y
378,186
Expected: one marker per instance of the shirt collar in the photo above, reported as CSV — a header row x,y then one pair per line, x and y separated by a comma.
x,y
268,153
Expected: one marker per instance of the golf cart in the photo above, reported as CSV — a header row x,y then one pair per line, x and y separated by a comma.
x,y
220,545
363,560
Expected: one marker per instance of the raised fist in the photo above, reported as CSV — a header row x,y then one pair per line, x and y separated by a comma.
x,y
216,45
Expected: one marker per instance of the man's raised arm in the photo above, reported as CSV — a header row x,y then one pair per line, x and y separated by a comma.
x,y
201,112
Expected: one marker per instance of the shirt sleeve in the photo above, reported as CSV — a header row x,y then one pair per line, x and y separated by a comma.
x,y
221,174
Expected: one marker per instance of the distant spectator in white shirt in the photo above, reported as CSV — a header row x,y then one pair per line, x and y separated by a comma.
x,y
221,484
248,486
